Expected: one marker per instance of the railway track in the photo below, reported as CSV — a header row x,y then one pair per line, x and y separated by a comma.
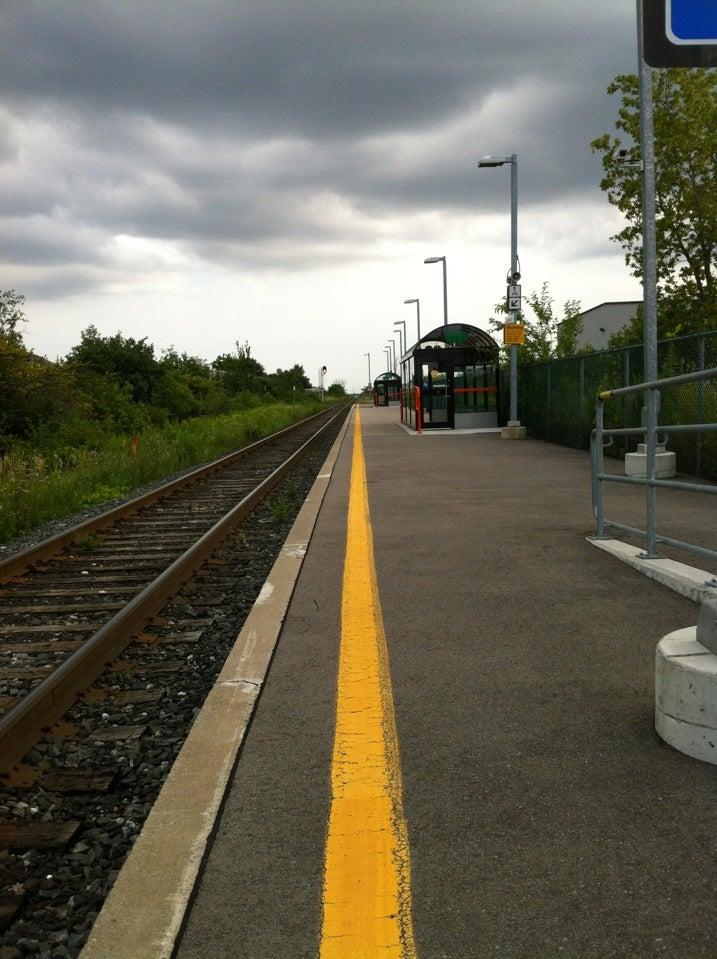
x,y
70,605
74,800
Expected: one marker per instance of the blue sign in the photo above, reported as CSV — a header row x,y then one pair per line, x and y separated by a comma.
x,y
691,21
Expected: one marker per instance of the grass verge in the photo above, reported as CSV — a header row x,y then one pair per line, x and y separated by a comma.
x,y
36,489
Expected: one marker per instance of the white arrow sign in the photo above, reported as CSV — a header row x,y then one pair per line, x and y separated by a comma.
x,y
514,298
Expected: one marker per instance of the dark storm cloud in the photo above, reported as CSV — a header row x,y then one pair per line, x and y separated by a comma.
x,y
277,132
317,68
59,283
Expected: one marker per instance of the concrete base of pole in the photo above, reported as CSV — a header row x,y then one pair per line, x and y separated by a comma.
x,y
665,463
514,431
686,694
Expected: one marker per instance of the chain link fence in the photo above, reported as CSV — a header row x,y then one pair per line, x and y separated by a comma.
x,y
556,399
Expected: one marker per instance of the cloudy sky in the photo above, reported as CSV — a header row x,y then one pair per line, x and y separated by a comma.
x,y
206,171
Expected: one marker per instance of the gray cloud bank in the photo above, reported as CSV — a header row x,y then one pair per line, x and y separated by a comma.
x,y
278,134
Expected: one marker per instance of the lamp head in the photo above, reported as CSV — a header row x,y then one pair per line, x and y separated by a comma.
x,y
410,301
434,259
488,161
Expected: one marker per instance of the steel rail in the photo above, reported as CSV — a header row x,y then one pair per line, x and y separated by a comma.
x,y
53,696
19,562
681,380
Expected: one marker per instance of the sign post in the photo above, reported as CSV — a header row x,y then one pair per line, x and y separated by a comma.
x,y
649,254
670,33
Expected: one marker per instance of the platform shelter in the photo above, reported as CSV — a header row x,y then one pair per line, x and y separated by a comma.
x,y
387,390
450,380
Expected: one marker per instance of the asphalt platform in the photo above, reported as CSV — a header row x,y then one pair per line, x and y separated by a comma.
x,y
545,817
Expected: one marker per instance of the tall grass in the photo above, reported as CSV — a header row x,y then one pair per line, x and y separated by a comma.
x,y
36,488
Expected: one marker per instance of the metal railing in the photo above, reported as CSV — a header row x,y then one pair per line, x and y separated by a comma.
x,y
650,430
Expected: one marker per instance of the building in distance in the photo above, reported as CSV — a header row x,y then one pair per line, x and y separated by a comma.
x,y
600,322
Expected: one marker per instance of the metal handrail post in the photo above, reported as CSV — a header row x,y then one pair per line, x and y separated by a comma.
x,y
599,467
651,407
625,382
700,401
581,401
593,474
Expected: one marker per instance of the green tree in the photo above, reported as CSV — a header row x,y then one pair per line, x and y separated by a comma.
x,y
338,388
33,392
547,336
239,372
11,314
686,193
185,364
128,361
285,384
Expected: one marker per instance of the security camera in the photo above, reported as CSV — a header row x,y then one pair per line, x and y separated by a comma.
x,y
516,277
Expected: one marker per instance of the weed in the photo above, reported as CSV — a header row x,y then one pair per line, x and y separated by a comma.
x,y
87,542
279,507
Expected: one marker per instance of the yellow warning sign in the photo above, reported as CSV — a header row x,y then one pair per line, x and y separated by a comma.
x,y
513,333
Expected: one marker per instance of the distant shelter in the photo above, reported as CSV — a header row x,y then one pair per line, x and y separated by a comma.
x,y
387,390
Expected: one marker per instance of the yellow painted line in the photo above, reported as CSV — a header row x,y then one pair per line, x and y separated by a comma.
x,y
367,875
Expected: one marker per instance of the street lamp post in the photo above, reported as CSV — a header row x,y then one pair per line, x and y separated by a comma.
x,y
402,342
387,353
442,259
418,316
368,356
392,343
513,278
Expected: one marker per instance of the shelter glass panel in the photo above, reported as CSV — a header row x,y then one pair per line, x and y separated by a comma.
x,y
475,388
434,393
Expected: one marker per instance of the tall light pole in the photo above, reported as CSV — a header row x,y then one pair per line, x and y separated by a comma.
x,y
442,259
514,275
418,316
368,356
387,353
392,344
402,341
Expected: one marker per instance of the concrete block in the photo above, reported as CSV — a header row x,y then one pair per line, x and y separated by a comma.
x,y
695,741
707,624
686,694
695,584
665,465
514,433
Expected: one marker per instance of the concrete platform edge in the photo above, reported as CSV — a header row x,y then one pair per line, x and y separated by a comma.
x,y
686,580
143,914
448,432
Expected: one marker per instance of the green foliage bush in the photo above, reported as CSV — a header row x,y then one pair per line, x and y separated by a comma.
x,y
35,487
66,427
